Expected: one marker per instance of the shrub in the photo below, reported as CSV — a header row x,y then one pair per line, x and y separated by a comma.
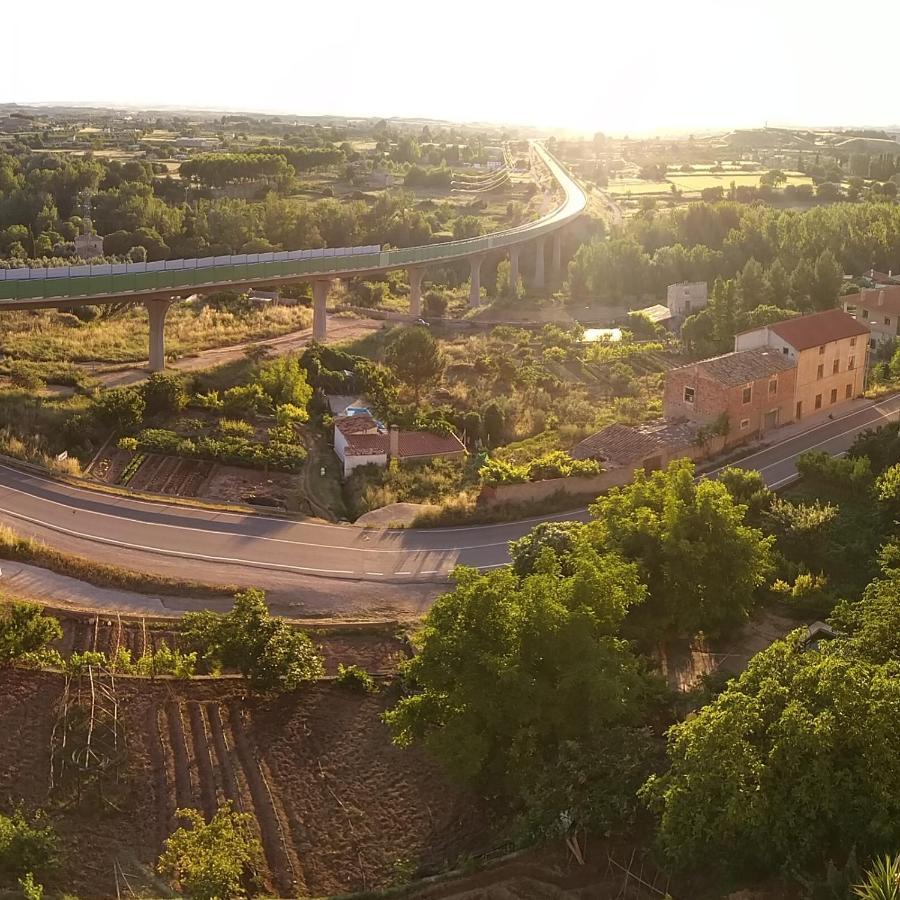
x,y
159,440
847,474
236,428
272,655
25,631
127,443
164,394
355,678
246,400
120,408
210,400
287,413
284,381
207,861
435,304
26,846
555,464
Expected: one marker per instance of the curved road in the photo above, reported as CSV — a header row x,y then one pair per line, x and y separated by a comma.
x,y
217,545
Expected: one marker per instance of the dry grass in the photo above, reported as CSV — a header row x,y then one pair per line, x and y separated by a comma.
x,y
46,335
30,550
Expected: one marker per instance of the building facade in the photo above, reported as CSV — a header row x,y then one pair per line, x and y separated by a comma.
x,y
752,389
878,309
686,297
829,350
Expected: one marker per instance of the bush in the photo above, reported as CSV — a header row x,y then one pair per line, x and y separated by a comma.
x,y
284,382
236,428
435,304
164,394
244,400
25,631
555,464
210,400
356,679
26,846
207,861
270,653
159,440
119,408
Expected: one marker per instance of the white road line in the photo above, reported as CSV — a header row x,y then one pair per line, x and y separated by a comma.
x,y
243,535
834,437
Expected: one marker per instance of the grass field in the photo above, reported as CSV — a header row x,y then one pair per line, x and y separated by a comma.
x,y
690,182
50,336
694,182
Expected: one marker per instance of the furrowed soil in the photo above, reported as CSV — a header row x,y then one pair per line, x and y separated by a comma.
x,y
337,807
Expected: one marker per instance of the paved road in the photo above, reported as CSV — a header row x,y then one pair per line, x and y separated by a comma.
x,y
214,546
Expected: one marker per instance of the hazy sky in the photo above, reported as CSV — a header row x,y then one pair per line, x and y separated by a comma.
x,y
620,67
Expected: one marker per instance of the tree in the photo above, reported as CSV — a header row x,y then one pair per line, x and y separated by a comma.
x,y
272,655
827,281
698,557
435,304
778,285
802,285
209,861
751,286
416,358
24,630
510,672
164,395
792,764
559,537
284,381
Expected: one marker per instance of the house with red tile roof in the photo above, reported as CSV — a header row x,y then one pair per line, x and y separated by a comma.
x,y
829,350
361,440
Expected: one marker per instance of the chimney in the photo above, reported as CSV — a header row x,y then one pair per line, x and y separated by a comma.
x,y
394,442
881,298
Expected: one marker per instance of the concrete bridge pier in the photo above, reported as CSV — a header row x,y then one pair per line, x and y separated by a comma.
x,y
415,275
157,310
475,280
320,289
539,263
557,257
513,269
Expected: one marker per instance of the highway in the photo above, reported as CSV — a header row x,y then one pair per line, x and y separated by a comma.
x,y
226,547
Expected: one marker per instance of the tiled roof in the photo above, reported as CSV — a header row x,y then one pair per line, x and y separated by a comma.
x,y
426,443
819,328
883,299
620,445
360,424
743,365
366,445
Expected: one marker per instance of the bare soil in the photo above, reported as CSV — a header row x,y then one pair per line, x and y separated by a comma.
x,y
336,804
234,484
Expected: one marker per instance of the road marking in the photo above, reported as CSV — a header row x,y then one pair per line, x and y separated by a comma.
x,y
239,534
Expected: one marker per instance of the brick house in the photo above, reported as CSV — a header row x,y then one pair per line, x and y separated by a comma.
x,y
753,388
878,309
829,350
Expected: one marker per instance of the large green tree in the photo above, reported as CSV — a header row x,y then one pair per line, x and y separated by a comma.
x,y
793,764
700,559
513,674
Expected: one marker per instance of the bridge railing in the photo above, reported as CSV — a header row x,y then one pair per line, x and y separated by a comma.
x,y
185,274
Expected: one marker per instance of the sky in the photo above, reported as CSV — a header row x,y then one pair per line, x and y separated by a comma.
x,y
638,67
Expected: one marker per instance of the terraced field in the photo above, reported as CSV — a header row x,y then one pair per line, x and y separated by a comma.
x,y
338,808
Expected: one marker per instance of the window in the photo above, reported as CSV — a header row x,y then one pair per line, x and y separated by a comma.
x,y
848,393
745,424
784,350
688,395
748,394
836,367
887,320
818,401
799,409
822,350
865,314
852,342
820,372
834,395
851,363
773,385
